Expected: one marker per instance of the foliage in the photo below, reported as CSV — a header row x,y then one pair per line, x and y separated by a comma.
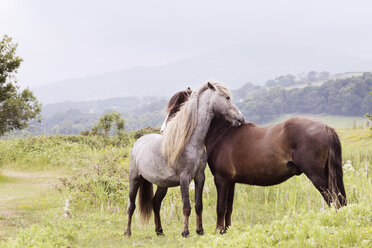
x,y
347,97
43,153
369,115
291,80
101,181
17,106
139,133
244,91
344,95
105,124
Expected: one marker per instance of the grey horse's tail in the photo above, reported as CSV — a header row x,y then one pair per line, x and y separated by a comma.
x,y
335,174
145,201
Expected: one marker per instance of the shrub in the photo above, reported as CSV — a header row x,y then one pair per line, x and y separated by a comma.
x,y
103,181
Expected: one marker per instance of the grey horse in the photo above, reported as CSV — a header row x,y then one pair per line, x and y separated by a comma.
x,y
178,156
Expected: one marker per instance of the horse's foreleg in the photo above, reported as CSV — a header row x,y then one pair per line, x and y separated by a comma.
x,y
222,192
134,184
156,203
199,184
229,209
184,183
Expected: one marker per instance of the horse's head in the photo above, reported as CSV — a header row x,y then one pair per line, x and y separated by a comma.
x,y
210,101
174,105
223,106
220,101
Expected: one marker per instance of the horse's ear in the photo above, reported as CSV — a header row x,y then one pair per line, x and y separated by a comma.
x,y
210,86
188,91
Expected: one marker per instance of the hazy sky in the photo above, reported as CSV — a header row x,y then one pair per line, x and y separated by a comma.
x,y
67,39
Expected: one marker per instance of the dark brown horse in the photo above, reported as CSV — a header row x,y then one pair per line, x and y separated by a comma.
x,y
269,155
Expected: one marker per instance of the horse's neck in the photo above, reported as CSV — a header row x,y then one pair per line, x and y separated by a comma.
x,y
218,128
204,118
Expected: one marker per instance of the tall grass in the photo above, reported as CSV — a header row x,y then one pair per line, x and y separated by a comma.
x,y
63,151
291,214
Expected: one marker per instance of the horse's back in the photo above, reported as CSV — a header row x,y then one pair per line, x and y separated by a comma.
x,y
306,132
145,150
148,142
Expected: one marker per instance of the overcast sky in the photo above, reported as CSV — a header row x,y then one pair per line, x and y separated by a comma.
x,y
71,38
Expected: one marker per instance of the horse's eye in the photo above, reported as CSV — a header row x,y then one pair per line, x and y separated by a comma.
x,y
228,98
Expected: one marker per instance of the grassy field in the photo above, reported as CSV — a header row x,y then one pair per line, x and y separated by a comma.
x,y
38,175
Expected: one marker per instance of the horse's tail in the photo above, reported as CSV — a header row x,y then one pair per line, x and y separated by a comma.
x,y
334,166
145,201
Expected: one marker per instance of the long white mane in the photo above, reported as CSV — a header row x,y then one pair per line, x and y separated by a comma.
x,y
180,128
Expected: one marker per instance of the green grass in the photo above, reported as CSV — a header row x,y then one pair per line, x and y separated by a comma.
x,y
291,214
24,198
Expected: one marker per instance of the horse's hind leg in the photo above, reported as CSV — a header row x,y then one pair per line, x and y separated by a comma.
x,y
222,192
315,172
134,184
321,183
156,203
229,209
199,184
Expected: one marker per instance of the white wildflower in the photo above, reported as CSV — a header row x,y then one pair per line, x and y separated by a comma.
x,y
66,209
348,167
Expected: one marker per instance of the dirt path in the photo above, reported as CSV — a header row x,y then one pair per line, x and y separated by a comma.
x,y
23,196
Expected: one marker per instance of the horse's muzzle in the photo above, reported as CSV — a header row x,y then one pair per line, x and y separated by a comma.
x,y
238,122
242,120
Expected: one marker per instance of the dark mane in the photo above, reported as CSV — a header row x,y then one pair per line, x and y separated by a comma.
x,y
176,101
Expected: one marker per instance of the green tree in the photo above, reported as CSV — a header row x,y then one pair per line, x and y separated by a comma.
x,y
17,106
119,123
107,121
104,124
324,75
312,76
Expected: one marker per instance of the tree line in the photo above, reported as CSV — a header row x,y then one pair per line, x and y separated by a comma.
x,y
302,78
348,97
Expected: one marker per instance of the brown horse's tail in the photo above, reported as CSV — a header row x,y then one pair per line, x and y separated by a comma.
x,y
334,166
145,201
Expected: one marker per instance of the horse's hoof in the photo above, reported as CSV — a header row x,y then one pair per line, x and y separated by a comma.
x,y
160,232
223,231
185,233
200,231
127,233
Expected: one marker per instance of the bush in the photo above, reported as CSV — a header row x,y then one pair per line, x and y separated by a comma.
x,y
103,182
147,130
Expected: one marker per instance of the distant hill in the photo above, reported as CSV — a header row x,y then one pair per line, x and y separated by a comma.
x,y
343,95
233,66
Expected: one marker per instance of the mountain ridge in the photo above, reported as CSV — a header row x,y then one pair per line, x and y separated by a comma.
x,y
234,66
